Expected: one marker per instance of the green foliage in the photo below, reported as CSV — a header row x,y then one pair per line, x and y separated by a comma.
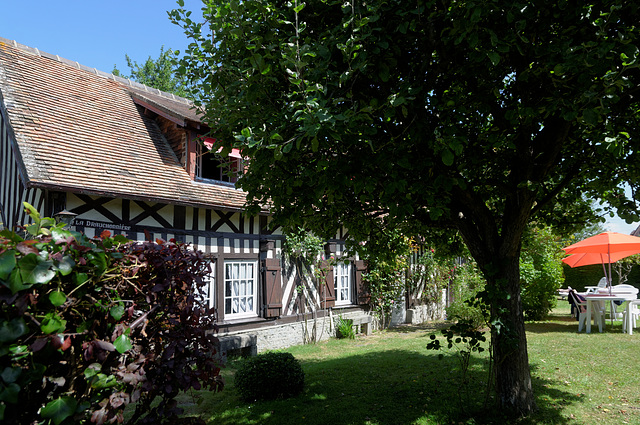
x,y
540,272
430,274
623,269
397,265
466,285
160,73
467,339
588,230
307,249
307,254
348,77
269,376
580,277
385,284
463,333
344,328
88,326
302,243
481,116
387,260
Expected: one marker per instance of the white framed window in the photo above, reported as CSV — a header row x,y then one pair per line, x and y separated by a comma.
x,y
210,288
207,293
211,166
240,289
342,282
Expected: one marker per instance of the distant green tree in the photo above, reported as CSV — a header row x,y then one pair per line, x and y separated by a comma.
x,y
589,230
540,271
159,74
588,227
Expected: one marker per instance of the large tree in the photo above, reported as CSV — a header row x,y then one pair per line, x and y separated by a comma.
x,y
479,116
159,73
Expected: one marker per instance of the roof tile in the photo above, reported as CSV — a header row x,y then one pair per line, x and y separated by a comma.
x,y
81,129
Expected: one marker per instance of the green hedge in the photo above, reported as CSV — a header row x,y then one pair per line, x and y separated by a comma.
x,y
579,277
269,376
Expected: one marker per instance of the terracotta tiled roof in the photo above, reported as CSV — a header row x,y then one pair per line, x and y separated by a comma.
x,y
79,130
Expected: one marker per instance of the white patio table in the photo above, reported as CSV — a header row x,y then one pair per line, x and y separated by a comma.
x,y
607,298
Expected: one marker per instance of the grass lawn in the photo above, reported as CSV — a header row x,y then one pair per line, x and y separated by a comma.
x,y
390,378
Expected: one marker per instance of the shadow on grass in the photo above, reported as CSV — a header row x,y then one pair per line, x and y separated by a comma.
x,y
569,324
423,327
554,323
550,400
384,387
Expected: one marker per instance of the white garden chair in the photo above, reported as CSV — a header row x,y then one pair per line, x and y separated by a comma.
x,y
580,303
623,290
635,315
602,284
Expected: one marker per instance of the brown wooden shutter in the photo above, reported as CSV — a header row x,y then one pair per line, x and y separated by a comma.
x,y
271,273
363,294
327,293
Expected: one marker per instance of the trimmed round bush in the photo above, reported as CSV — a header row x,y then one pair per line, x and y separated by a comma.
x,y
269,376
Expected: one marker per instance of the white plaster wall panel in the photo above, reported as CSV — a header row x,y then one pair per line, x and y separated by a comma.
x,y
202,214
188,218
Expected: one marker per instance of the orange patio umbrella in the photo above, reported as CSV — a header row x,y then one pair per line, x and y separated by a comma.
x,y
605,243
586,259
605,248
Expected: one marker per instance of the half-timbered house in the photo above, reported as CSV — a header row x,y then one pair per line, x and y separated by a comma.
x,y
126,158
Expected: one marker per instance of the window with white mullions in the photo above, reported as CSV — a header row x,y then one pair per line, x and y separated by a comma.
x,y
342,282
210,285
240,289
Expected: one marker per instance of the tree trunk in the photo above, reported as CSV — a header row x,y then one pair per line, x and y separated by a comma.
x,y
512,374
497,253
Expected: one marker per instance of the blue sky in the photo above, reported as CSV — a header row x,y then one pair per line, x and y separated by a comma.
x,y
98,34
616,224
95,33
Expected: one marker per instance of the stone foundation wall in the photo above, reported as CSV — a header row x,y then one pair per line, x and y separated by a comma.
x,y
287,335
425,313
280,336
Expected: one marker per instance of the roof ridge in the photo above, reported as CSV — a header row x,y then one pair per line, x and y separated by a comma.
x,y
110,76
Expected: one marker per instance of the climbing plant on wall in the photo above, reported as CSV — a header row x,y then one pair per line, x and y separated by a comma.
x,y
306,253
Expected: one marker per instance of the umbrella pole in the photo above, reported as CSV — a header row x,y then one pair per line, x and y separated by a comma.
x,y
612,310
607,276
609,280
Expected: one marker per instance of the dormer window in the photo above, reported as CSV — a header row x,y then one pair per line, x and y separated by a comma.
x,y
212,166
